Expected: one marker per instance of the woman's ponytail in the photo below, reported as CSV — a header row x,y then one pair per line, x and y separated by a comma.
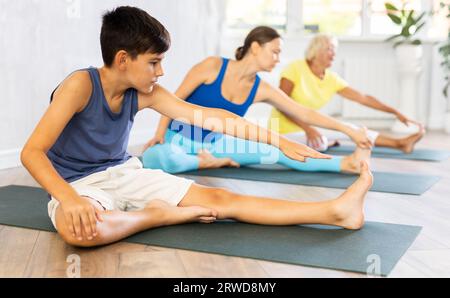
x,y
261,35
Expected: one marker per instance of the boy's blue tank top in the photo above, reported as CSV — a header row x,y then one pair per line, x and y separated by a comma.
x,y
95,138
210,95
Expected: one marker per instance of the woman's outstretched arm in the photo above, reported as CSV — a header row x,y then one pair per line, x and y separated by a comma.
x,y
299,114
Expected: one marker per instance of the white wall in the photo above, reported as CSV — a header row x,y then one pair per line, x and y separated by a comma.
x,y
42,41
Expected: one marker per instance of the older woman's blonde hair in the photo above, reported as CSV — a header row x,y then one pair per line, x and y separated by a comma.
x,y
319,42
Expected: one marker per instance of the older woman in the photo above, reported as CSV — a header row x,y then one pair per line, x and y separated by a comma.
x,y
310,83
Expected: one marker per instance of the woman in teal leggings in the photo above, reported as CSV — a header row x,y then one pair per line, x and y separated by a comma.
x,y
234,85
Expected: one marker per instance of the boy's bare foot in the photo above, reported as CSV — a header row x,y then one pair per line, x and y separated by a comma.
x,y
208,161
348,208
178,215
407,144
352,162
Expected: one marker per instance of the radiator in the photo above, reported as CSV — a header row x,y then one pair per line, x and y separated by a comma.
x,y
375,76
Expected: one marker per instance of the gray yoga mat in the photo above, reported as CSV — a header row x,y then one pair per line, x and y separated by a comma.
x,y
417,154
413,184
375,245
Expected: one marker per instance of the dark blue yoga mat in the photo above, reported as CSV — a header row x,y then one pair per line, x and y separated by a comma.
x,y
380,152
412,184
376,246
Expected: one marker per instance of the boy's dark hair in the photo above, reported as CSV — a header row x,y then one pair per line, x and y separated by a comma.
x,y
133,30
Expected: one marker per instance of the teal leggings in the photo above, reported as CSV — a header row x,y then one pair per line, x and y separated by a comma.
x,y
179,154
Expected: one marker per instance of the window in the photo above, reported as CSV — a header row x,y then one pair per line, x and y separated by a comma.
x,y
436,26
339,17
243,15
439,24
342,17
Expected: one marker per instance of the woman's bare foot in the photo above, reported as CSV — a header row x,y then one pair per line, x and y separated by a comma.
x,y
407,144
208,161
348,208
352,162
334,143
177,215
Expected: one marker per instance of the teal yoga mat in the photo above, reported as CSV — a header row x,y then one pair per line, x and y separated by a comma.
x,y
413,184
376,246
417,154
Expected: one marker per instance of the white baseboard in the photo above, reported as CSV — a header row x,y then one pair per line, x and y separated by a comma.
x,y
140,137
436,123
10,158
370,123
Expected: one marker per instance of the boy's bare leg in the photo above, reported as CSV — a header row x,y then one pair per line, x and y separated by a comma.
x,y
345,211
117,225
205,204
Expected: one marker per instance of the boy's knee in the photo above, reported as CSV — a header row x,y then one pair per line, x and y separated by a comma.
x,y
69,238
74,241
66,234
222,197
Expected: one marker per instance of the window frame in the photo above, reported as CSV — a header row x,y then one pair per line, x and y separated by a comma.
x,y
294,23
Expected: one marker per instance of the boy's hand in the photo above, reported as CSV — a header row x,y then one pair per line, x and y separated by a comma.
x,y
299,151
81,215
157,139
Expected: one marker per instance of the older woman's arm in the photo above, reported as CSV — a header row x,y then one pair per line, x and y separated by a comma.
x,y
297,112
372,102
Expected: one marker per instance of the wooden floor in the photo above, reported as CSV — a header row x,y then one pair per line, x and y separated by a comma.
x,y
30,253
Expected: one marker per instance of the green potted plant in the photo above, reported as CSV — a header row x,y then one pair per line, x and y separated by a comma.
x,y
408,52
444,50
410,24
408,46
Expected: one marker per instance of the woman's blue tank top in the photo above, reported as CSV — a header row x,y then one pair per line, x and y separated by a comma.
x,y
210,95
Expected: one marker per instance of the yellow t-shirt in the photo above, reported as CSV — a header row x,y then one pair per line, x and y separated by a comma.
x,y
309,91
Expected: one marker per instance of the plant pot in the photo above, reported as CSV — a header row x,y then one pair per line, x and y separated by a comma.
x,y
409,67
407,54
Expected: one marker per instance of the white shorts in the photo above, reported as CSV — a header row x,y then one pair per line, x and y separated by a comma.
x,y
128,187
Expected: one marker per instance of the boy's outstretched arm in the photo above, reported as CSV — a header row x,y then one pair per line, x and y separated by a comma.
x,y
69,98
222,121
196,76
